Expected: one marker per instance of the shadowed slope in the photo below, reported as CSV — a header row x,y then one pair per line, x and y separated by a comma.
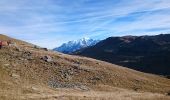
x,y
149,54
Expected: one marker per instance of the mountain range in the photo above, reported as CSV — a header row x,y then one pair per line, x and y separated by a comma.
x,y
149,54
75,45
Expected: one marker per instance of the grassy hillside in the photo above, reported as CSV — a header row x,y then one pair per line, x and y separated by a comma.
x,y
26,74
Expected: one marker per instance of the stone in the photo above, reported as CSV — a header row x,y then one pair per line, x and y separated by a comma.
x,y
57,84
47,58
6,64
168,93
45,49
18,49
15,76
37,47
12,44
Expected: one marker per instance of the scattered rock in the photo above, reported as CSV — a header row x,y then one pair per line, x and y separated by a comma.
x,y
80,69
13,44
78,62
6,64
18,49
21,59
47,58
97,63
37,47
15,76
67,74
34,88
27,55
82,87
74,70
96,78
6,67
136,88
45,49
168,93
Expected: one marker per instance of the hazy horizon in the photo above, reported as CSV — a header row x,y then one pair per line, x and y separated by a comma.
x,y
58,21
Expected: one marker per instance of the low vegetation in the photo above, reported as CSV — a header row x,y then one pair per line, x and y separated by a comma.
x,y
29,73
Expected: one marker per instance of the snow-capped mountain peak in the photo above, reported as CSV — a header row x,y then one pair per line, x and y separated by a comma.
x,y
75,45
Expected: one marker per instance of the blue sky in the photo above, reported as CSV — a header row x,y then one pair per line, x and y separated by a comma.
x,y
53,22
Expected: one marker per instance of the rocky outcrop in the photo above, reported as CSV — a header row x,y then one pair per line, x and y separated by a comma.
x,y
47,58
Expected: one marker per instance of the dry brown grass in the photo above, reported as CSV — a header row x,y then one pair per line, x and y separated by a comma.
x,y
25,76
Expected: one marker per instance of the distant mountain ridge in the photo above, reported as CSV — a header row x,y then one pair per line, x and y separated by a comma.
x,y
143,53
73,46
